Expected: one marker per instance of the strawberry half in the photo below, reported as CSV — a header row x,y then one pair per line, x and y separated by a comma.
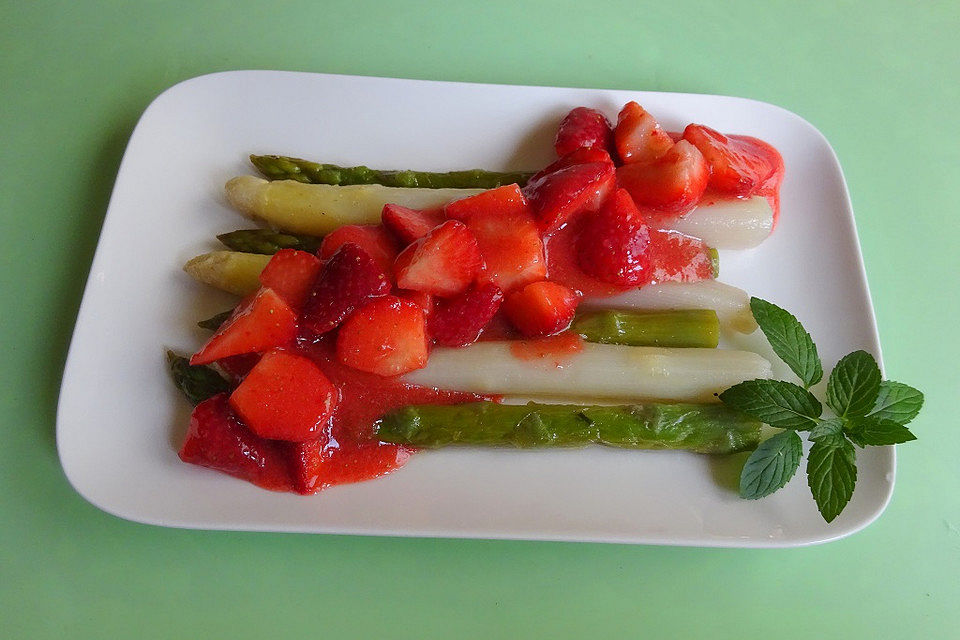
x,y
541,308
559,195
614,244
583,127
738,165
673,183
584,155
372,238
218,440
638,136
444,262
506,234
387,337
285,397
291,274
259,323
460,320
409,225
348,280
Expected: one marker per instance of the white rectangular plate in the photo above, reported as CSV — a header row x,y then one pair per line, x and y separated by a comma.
x,y
120,421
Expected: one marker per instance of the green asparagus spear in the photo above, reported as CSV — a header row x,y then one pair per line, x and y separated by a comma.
x,y
685,328
196,382
213,323
703,428
714,261
285,168
267,241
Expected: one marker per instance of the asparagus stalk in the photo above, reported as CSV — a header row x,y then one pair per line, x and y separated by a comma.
x,y
267,241
286,168
214,322
731,304
686,328
729,224
590,371
196,382
693,427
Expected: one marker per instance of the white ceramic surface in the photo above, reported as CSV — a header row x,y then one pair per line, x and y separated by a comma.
x,y
120,420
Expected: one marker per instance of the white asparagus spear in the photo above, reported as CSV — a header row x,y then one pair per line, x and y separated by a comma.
x,y
318,209
596,371
232,271
731,304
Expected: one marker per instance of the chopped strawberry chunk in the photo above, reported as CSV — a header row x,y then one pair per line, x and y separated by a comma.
x,y
737,165
306,464
558,196
444,262
583,127
387,336
506,234
348,280
421,299
638,136
614,245
409,225
673,183
291,274
260,323
285,397
541,308
372,238
675,257
316,466
459,321
218,440
237,367
584,155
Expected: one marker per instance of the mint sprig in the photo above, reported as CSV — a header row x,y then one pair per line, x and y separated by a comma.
x,y
869,412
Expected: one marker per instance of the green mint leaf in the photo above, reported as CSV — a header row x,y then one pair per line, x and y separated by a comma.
x,y
771,465
898,402
790,341
832,474
779,404
876,431
826,429
854,385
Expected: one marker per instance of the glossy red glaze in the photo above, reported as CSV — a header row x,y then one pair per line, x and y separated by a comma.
x,y
553,351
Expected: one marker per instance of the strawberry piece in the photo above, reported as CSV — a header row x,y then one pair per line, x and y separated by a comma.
x,y
675,257
444,262
372,238
614,244
559,195
503,224
737,165
584,155
541,308
291,274
348,280
317,465
237,367
638,136
419,298
387,337
260,323
409,225
583,127
285,397
306,464
673,183
218,440
460,320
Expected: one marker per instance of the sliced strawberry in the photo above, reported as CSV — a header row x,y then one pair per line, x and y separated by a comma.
x,y
387,336
409,225
638,136
237,367
559,195
675,257
419,298
218,440
673,183
348,280
259,323
291,274
285,397
584,155
372,238
315,466
506,234
737,165
459,321
614,245
444,262
306,464
583,127
541,308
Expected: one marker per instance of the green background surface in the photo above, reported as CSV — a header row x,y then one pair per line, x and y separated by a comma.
x,y
879,79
